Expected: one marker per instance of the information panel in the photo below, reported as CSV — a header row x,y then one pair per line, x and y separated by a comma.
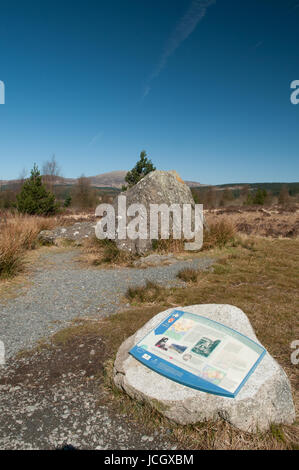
x,y
199,353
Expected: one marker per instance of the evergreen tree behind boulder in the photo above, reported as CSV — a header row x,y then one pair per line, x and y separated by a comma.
x,y
34,199
140,170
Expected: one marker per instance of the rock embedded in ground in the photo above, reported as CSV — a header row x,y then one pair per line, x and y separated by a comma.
x,y
155,260
264,399
76,232
46,237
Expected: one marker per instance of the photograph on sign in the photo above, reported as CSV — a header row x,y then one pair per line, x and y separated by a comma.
x,y
200,353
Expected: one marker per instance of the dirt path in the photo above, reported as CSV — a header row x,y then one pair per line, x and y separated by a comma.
x,y
62,289
47,399
68,409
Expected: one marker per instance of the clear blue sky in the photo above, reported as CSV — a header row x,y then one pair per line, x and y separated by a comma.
x,y
203,86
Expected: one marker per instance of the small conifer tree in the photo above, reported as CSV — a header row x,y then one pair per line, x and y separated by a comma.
x,y
67,201
260,196
142,168
34,199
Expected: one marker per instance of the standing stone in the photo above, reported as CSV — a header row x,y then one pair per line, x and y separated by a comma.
x,y
158,187
264,399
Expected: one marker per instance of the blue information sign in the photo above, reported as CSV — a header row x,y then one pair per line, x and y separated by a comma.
x,y
200,353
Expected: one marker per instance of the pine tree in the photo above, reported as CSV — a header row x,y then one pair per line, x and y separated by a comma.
x,y
34,199
260,196
142,168
67,201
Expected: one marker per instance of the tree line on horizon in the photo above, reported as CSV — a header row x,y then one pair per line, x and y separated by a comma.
x,y
214,197
40,194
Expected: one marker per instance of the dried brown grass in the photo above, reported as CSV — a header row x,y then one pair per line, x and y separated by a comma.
x,y
148,293
168,246
17,234
219,234
262,222
105,252
188,275
261,277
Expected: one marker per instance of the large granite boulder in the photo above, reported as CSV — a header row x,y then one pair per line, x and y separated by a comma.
x,y
264,399
158,187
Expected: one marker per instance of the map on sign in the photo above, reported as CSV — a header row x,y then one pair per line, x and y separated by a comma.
x,y
199,353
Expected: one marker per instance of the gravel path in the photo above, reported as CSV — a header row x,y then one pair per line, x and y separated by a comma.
x,y
69,413
54,397
62,291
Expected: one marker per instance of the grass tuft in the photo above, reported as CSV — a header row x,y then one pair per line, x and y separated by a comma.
x,y
151,292
219,234
168,246
17,235
97,252
220,268
188,275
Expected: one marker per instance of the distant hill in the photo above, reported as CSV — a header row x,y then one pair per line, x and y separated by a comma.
x,y
116,179
194,184
112,179
274,188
